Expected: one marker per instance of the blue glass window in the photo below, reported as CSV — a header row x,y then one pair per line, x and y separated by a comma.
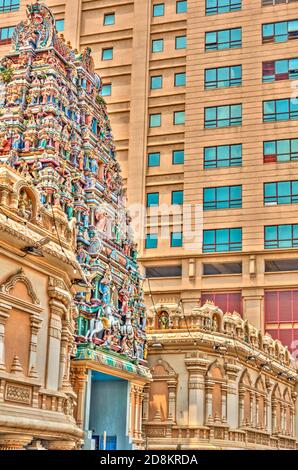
x,y
60,25
283,69
280,31
156,82
223,77
106,89
107,54
281,236
176,239
281,192
222,197
283,150
109,19
180,42
179,117
214,7
157,45
154,159
152,199
151,240
223,116
224,39
9,5
227,239
280,110
155,120
159,9
178,157
180,79
223,156
6,34
181,6
177,197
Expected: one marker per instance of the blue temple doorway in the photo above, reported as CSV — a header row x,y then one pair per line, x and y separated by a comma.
x,y
106,412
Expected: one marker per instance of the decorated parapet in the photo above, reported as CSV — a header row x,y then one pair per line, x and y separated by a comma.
x,y
55,131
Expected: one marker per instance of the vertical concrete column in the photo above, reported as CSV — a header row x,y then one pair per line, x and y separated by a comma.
x,y
268,416
63,356
196,367
4,315
80,377
139,115
209,413
274,423
72,23
57,311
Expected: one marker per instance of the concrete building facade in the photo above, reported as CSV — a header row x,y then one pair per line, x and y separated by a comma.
x,y
202,102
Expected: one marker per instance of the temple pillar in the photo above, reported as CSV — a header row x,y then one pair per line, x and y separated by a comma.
x,y
274,424
4,315
80,379
197,366
57,310
36,322
146,402
172,400
209,404
241,408
232,371
224,404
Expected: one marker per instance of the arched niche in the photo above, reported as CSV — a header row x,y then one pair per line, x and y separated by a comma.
x,y
162,393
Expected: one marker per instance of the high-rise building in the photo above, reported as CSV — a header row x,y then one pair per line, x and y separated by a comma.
x,y
202,98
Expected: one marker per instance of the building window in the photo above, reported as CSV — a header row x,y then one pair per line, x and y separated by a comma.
x,y
163,271
106,89
180,79
179,117
224,39
156,82
154,159
281,236
181,6
214,7
280,31
159,9
178,157
282,307
9,5
223,116
155,120
284,69
109,19
280,110
157,45
222,197
223,156
176,239
223,77
283,150
177,198
282,192
6,34
152,199
60,25
107,54
226,301
151,240
227,239
180,42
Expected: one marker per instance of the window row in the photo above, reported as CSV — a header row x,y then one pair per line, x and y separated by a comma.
x,y
156,81
159,8
157,45
155,120
221,156
230,197
231,115
230,239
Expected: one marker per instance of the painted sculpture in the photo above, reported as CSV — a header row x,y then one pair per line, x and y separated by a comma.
x,y
55,130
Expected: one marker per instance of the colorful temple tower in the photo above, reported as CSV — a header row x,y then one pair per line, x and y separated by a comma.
x,y
55,133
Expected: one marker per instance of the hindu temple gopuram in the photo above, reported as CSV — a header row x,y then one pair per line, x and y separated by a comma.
x,y
72,318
